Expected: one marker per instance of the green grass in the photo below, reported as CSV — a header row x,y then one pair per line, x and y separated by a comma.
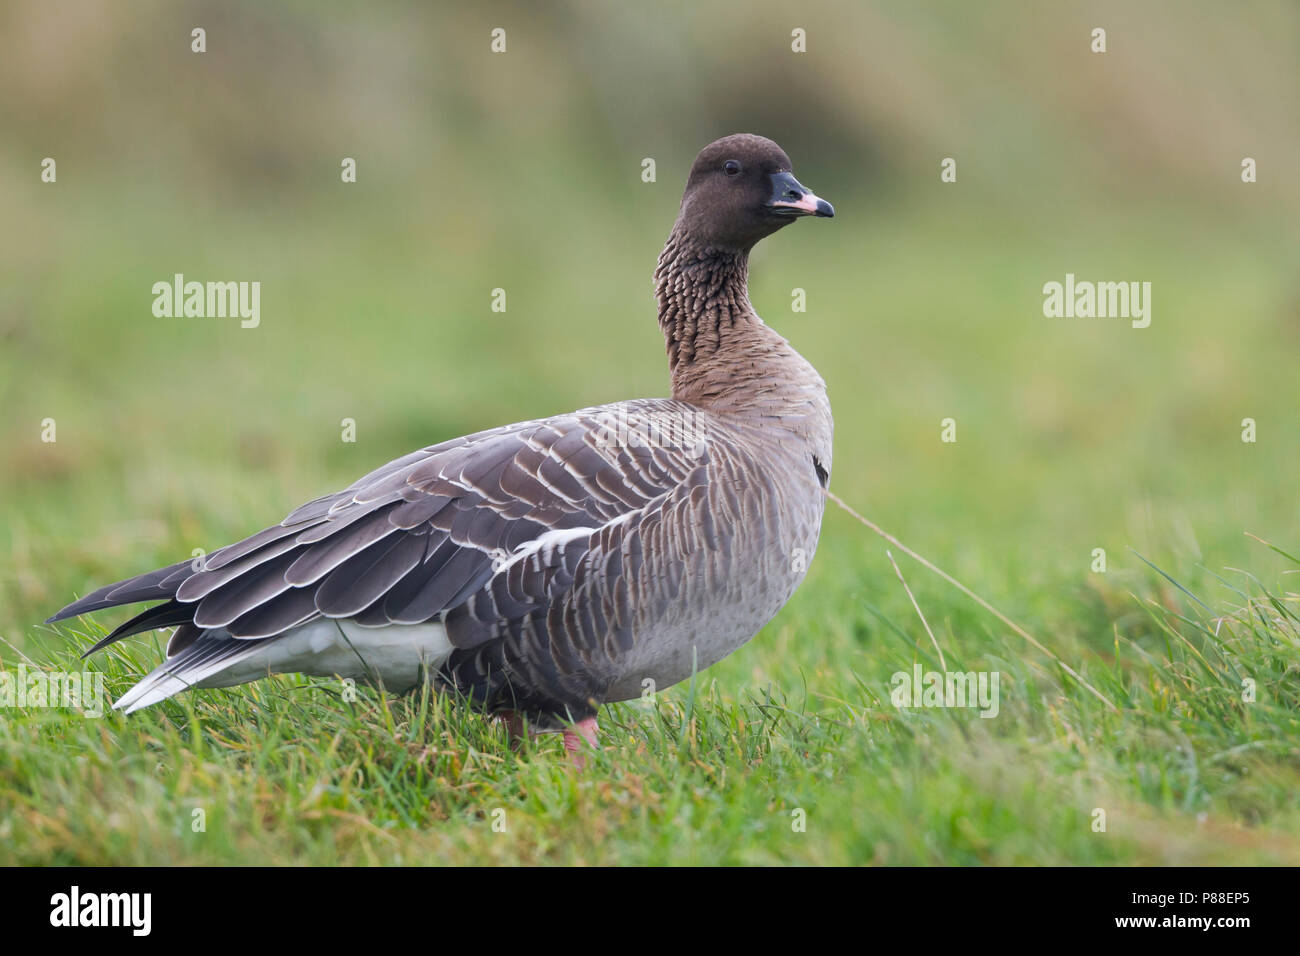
x,y
924,302
288,770
1126,443
1112,441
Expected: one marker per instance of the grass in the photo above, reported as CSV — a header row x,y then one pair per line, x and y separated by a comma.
x,y
290,770
1045,470
286,771
923,303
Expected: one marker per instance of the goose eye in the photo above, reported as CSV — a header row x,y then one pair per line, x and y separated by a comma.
x,y
731,167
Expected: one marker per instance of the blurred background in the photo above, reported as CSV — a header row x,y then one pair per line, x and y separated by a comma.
x,y
522,171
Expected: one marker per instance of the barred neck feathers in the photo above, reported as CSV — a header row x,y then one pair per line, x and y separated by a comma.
x,y
703,296
720,353
722,357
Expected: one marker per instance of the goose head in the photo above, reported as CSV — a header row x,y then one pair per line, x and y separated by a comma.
x,y
740,190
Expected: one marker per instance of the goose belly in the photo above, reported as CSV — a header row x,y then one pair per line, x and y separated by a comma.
x,y
397,654
717,615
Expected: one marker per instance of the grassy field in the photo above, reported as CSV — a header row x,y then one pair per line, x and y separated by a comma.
x,y
924,303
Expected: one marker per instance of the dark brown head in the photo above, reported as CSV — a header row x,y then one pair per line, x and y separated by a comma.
x,y
740,190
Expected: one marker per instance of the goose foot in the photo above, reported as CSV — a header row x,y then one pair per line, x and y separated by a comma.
x,y
584,731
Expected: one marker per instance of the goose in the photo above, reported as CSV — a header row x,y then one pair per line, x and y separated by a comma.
x,y
544,568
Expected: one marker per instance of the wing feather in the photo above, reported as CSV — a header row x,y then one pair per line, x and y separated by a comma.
x,y
425,535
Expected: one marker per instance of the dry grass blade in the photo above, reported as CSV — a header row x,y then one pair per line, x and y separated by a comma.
x,y
943,665
973,596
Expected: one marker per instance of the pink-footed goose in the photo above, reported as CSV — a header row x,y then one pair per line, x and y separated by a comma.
x,y
544,568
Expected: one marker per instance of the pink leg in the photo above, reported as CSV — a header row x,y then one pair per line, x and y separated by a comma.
x,y
575,735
